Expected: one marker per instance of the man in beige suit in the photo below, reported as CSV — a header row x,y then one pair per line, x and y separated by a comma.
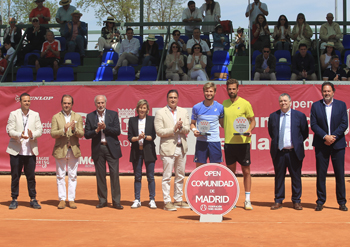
x,y
24,127
66,128
172,125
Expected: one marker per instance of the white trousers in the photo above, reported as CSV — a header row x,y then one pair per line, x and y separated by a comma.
x,y
178,163
72,164
199,75
103,43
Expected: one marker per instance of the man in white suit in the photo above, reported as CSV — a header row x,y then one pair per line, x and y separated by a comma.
x,y
172,125
24,127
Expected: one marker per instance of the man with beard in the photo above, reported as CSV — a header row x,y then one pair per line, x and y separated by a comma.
x,y
237,147
211,114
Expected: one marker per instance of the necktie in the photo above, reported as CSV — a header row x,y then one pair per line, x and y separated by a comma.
x,y
281,135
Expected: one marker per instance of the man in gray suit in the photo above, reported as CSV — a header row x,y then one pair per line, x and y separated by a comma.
x,y
24,127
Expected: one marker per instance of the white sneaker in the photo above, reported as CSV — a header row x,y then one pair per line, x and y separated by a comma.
x,y
136,204
248,205
152,204
114,71
137,75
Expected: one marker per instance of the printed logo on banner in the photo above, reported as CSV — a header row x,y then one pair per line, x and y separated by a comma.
x,y
46,127
42,161
86,161
83,116
124,115
35,98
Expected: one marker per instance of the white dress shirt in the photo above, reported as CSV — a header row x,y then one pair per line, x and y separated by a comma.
x,y
100,119
203,44
26,149
186,14
174,113
141,127
328,109
287,142
132,46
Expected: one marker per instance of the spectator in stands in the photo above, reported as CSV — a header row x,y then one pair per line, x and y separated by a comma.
x,y
281,34
110,36
13,33
197,40
191,14
240,41
75,32
64,14
50,53
3,64
261,33
301,33
150,51
334,73
129,51
212,13
265,65
220,39
303,66
196,64
41,12
174,62
325,58
330,31
10,52
180,42
254,9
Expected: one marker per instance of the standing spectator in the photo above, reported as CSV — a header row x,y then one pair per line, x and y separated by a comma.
x,y
110,36
10,54
265,65
282,34
212,13
75,32
254,9
174,62
150,51
325,58
13,33
141,134
180,42
335,72
220,39
41,12
3,64
261,33
330,32
240,41
196,64
301,33
191,14
303,65
64,14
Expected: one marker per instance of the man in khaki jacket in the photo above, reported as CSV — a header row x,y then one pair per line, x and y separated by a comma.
x,y
66,128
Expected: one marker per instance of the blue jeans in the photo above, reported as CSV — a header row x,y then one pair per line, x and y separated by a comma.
x,y
282,45
148,61
137,165
79,41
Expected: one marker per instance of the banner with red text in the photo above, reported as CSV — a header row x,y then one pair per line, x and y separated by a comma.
x,y
123,99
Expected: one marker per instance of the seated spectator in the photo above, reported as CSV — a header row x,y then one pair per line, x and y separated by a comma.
x,y
35,38
50,53
334,73
240,41
3,64
110,36
174,62
282,34
191,14
220,39
325,58
303,66
255,8
75,32
180,42
197,40
150,51
211,12
129,51
265,65
261,33
13,33
64,14
41,12
301,33
196,63
10,52
330,32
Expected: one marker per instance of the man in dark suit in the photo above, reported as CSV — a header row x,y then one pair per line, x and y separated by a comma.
x,y
329,121
288,130
102,126
265,65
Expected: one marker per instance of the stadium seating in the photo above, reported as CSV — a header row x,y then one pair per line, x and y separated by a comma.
x,y
24,75
65,74
44,74
148,73
126,73
221,58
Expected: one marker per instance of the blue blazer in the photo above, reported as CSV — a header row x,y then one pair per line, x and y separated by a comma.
x,y
299,132
81,31
319,125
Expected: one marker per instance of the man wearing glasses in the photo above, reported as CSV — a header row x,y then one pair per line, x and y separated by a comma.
x,y
41,12
265,65
191,14
334,73
176,38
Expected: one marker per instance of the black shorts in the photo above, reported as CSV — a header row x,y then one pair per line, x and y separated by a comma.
x,y
44,62
237,153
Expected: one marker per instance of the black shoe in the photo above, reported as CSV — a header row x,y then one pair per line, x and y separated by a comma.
x,y
101,205
319,207
13,205
118,206
34,204
342,207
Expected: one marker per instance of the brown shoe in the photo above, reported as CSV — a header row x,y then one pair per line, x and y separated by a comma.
x,y
297,206
276,206
72,205
61,205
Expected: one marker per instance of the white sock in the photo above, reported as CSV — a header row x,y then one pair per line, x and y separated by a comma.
x,y
247,196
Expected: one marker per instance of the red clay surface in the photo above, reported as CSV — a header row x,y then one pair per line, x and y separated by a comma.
x,y
88,226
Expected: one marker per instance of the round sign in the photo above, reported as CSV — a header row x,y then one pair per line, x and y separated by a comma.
x,y
212,189
203,126
241,124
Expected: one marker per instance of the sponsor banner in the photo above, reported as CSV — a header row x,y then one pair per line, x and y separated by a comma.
x,y
264,99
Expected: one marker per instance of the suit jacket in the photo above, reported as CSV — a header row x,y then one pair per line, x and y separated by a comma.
x,y
271,62
81,31
111,132
164,125
62,139
15,127
299,132
149,148
319,125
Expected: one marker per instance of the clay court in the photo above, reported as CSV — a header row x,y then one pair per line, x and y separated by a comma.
x,y
88,226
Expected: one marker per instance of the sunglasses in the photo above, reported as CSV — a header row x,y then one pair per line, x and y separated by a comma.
x,y
174,47
283,19
266,51
12,22
197,47
35,20
176,34
301,18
